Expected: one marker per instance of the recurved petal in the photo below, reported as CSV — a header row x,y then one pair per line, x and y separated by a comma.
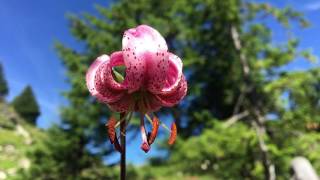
x,y
173,75
116,59
145,38
108,90
157,70
107,95
140,46
173,97
91,73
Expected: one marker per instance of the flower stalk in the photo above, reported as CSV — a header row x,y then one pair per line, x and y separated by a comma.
x,y
123,145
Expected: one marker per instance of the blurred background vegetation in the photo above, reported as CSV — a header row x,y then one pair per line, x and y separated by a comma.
x,y
246,115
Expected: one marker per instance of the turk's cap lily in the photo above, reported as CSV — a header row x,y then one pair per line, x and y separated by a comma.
x,y
153,79
153,75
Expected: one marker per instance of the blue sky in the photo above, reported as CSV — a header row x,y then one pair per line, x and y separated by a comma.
x,y
29,28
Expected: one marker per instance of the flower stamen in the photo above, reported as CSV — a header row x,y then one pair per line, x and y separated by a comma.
x,y
112,134
145,145
161,123
155,126
173,134
111,129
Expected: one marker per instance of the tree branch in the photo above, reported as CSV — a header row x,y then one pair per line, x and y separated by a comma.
x,y
230,121
258,123
238,46
245,67
270,172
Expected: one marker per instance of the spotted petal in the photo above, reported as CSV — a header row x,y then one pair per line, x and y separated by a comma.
x,y
174,74
116,59
100,81
145,51
174,96
91,73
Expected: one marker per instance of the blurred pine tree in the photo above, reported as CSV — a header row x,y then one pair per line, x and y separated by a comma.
x,y
4,90
26,105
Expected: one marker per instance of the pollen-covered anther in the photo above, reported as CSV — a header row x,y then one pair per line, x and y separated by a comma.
x,y
145,147
111,129
173,134
112,134
154,132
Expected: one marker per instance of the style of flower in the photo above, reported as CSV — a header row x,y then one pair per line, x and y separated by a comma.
x,y
153,79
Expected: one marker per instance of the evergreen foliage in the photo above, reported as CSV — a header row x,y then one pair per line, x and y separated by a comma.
x,y
26,105
4,90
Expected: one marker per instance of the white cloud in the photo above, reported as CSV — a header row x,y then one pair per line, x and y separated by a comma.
x,y
313,6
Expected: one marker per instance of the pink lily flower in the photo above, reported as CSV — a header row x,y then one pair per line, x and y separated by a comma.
x,y
153,78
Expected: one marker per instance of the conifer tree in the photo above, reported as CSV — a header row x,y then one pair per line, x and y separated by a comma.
x,y
4,90
26,105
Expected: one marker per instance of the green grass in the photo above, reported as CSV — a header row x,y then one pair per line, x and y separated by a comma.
x,y
10,160
9,136
7,164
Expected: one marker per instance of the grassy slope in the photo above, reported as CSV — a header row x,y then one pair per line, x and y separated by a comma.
x,y
14,143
